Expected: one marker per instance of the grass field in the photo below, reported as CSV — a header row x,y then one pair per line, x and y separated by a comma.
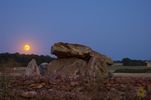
x,y
118,69
114,68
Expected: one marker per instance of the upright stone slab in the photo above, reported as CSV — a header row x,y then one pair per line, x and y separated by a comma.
x,y
32,69
67,67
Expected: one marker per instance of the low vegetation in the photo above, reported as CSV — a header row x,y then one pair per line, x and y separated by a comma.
x,y
132,62
19,60
133,70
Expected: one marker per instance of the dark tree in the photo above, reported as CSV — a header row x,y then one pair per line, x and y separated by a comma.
x,y
23,59
130,62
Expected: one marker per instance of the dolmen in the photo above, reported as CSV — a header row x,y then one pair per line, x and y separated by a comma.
x,y
76,60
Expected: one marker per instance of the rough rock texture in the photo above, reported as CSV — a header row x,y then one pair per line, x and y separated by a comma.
x,y
115,88
42,68
107,60
29,94
67,67
32,69
78,60
68,50
65,50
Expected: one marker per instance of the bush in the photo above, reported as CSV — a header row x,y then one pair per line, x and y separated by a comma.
x,y
22,59
131,62
132,71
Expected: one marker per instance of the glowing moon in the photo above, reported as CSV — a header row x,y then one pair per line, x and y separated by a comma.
x,y
27,47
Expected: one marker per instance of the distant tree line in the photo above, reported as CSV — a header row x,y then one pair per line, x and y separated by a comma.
x,y
22,59
131,62
17,59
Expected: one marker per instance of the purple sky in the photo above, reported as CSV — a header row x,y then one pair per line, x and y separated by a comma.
x,y
117,28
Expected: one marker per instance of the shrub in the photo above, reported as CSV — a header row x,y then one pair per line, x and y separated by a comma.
x,y
132,71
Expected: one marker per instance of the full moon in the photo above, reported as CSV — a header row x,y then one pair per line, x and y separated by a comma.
x,y
27,47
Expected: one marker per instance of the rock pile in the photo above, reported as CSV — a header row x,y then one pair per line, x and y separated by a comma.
x,y
74,60
116,88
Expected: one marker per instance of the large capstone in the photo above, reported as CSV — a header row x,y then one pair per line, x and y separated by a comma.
x,y
66,50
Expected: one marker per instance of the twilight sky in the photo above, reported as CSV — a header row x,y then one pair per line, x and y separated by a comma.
x,y
117,28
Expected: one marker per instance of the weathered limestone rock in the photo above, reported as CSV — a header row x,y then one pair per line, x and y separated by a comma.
x,y
105,59
67,67
97,68
66,50
32,69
